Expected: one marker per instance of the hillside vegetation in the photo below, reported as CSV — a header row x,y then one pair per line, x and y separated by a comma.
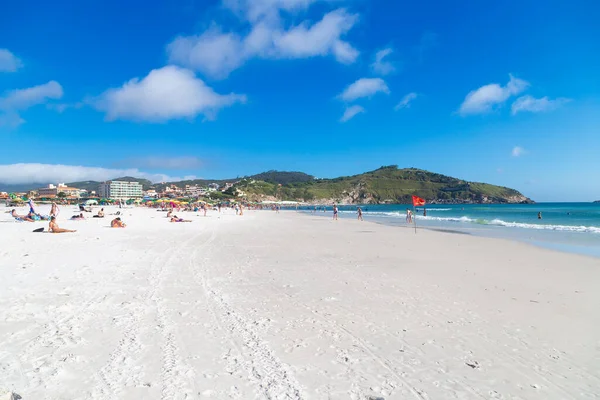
x,y
384,185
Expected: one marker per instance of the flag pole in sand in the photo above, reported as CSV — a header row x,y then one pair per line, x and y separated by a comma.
x,y
415,219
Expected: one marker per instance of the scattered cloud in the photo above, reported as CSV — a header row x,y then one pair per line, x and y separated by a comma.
x,y
14,101
160,162
11,120
351,112
364,87
518,151
531,104
380,66
41,173
21,99
8,61
485,98
256,10
406,100
167,93
217,53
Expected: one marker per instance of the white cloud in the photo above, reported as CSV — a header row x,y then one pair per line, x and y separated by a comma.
x,y
11,120
406,100
21,99
518,151
364,87
218,53
255,10
530,103
8,61
484,99
213,52
160,162
319,39
46,173
17,100
351,112
167,93
380,66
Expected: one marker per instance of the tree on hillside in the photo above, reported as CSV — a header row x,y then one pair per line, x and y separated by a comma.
x,y
61,195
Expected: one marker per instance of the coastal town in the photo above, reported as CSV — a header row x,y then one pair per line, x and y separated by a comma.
x,y
117,190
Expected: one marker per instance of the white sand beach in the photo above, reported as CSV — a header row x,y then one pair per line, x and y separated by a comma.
x,y
290,306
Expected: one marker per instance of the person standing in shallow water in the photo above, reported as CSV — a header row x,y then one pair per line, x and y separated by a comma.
x,y
540,215
359,211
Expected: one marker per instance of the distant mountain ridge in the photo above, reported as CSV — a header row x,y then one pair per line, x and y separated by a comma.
x,y
388,184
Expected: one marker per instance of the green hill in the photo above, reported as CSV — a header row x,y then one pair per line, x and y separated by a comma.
x,y
384,185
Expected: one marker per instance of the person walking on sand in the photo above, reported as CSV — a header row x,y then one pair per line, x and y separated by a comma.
x,y
53,227
335,212
408,216
359,211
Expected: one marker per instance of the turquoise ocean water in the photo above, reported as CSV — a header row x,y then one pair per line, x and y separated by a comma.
x,y
572,227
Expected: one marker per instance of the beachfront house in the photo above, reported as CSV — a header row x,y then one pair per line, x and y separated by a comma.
x,y
196,191
53,191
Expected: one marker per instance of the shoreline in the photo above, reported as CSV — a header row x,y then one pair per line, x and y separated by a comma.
x,y
566,241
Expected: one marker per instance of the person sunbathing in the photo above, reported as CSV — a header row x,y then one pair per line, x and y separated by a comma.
x,y
117,223
80,216
175,219
100,214
53,227
20,217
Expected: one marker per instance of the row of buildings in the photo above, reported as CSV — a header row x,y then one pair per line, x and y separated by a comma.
x,y
117,190
122,190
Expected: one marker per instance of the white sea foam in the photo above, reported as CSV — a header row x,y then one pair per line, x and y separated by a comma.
x,y
566,228
499,222
480,221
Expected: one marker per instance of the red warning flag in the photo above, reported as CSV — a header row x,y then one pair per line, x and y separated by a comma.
x,y
417,201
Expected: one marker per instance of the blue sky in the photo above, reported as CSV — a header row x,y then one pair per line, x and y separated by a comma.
x,y
506,93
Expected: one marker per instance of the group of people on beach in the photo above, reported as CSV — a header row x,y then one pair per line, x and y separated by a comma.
x,y
33,216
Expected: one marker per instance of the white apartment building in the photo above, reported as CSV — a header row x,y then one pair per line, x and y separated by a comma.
x,y
120,190
196,191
